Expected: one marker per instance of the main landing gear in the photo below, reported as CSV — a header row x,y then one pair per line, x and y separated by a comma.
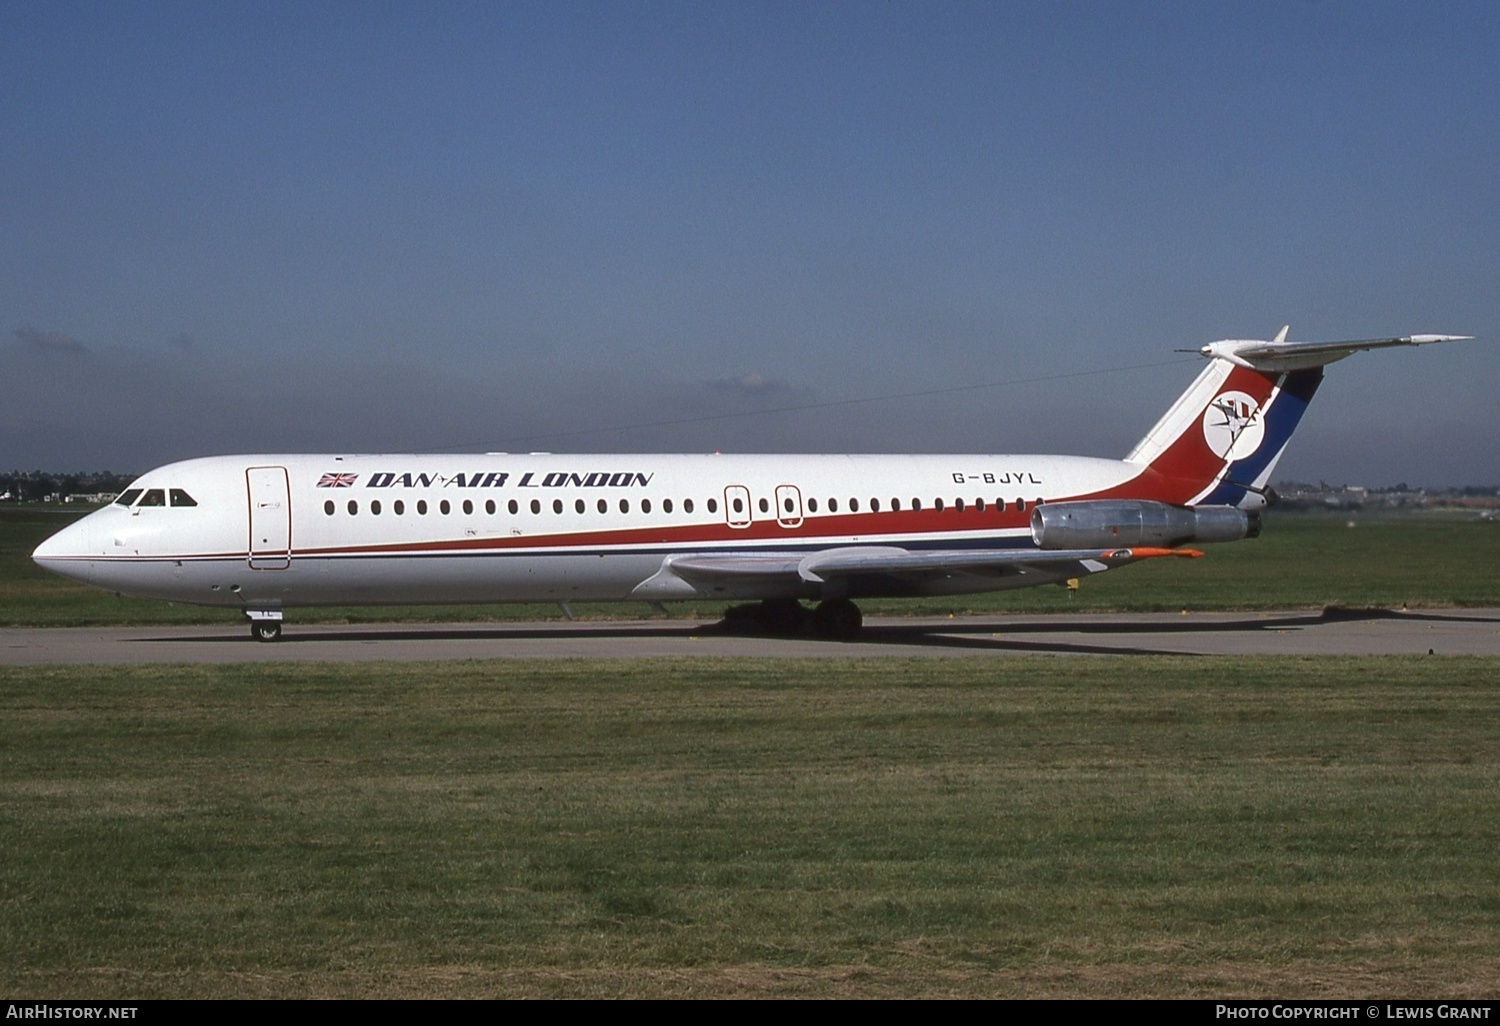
x,y
835,619
839,619
264,625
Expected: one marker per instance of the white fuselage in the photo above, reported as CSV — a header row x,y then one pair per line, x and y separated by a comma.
x,y
274,531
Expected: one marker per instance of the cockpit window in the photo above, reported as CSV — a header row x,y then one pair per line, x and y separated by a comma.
x,y
181,498
154,497
129,496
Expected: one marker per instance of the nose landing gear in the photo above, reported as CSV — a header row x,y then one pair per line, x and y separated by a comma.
x,y
265,624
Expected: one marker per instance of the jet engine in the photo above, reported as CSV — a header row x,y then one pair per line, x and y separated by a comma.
x,y
1107,523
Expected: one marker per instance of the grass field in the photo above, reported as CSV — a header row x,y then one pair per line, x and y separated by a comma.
x,y
1025,826
1301,561
1135,826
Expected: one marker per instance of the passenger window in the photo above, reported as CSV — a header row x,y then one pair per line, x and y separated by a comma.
x,y
833,505
128,496
422,506
578,505
180,498
375,508
154,497
958,505
916,504
489,506
739,507
687,506
853,505
765,507
603,505
1020,505
713,505
645,505
938,505
812,505
353,507
444,507
468,507
328,507
787,504
874,505
557,505
536,506
999,505
399,507
895,505
511,506
666,506
978,505
625,505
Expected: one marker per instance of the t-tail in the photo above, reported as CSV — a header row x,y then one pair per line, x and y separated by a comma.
x,y
1219,443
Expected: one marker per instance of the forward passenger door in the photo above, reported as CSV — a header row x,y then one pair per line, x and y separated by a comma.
x,y
270,518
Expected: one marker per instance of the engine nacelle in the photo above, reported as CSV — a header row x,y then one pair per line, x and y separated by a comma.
x,y
1111,523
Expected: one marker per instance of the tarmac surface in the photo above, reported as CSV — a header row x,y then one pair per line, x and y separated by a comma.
x,y
1330,632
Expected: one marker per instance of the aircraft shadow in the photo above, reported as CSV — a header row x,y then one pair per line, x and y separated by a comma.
x,y
968,634
1132,624
298,635
928,637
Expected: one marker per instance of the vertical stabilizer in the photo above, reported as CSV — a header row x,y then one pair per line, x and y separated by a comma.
x,y
1220,441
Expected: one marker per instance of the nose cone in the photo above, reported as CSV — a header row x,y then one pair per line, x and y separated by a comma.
x,y
69,552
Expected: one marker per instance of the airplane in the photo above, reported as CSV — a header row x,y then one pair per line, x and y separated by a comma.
x,y
268,533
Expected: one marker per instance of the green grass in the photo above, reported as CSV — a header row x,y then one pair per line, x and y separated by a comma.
x,y
1301,561
1025,826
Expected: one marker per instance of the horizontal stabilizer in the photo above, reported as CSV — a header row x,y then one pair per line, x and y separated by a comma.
x,y
1281,356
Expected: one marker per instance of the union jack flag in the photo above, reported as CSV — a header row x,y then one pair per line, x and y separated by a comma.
x,y
337,480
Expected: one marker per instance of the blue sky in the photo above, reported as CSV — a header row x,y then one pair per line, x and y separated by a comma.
x,y
593,227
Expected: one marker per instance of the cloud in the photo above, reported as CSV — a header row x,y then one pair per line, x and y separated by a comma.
x,y
753,391
48,341
749,383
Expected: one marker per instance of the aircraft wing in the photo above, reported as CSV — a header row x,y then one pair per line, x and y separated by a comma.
x,y
683,575
833,563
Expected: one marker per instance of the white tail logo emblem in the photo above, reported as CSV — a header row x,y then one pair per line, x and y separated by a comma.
x,y
1233,426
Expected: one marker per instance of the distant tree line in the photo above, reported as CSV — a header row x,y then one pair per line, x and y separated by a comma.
x,y
36,485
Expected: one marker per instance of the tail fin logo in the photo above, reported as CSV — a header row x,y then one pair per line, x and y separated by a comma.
x,y
1233,426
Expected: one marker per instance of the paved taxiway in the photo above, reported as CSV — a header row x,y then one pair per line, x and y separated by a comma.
x,y
1362,632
